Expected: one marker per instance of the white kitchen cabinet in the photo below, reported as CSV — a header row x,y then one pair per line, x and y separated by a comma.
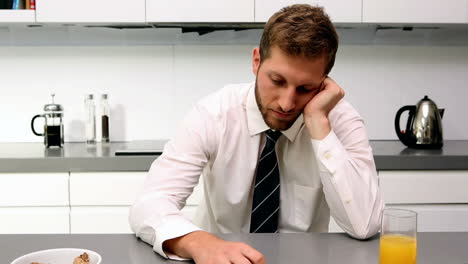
x,y
439,197
113,188
333,227
200,11
439,217
17,16
100,220
33,189
415,11
105,188
34,220
100,201
84,11
339,11
424,187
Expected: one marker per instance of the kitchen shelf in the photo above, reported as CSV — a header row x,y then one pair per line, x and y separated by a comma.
x,y
17,16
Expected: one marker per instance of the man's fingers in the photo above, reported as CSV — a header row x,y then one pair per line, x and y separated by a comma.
x,y
240,259
253,255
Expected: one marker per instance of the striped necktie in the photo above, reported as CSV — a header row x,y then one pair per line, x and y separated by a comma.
x,y
266,198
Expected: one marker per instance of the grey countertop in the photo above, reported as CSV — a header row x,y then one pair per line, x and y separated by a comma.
x,y
300,248
393,155
34,157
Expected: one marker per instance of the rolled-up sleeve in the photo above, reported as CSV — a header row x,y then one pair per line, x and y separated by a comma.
x,y
348,173
156,214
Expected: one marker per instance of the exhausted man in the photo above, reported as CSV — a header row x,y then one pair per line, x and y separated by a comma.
x,y
280,154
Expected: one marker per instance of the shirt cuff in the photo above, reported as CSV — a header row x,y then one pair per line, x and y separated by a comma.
x,y
172,227
328,152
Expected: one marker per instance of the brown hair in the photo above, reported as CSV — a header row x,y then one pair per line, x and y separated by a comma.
x,y
301,30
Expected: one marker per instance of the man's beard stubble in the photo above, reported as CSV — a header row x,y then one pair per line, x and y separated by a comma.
x,y
281,126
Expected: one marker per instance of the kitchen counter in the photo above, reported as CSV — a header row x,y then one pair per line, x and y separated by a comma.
x,y
393,155
74,157
299,248
33,157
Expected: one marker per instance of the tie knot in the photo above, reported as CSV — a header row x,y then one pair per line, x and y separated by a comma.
x,y
274,135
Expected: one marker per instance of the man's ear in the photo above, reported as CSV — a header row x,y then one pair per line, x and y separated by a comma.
x,y
255,60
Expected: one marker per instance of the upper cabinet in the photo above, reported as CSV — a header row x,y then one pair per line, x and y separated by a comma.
x,y
90,11
199,11
415,11
14,16
236,11
348,11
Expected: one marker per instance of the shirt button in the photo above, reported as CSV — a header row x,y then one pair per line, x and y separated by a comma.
x,y
347,201
327,155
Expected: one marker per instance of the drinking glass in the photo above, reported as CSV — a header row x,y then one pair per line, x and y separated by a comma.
x,y
398,241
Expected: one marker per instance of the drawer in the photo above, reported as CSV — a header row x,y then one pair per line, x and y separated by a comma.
x,y
34,220
105,188
439,218
33,189
100,220
333,227
424,187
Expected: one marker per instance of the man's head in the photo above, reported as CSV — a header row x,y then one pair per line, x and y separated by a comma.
x,y
297,51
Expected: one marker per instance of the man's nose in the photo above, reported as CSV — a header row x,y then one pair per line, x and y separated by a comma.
x,y
287,100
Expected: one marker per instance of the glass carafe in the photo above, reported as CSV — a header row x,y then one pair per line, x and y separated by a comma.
x,y
53,125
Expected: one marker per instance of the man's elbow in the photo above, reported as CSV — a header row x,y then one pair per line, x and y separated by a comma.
x,y
368,230
363,235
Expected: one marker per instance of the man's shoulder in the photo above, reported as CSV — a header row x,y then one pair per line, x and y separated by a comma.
x,y
229,97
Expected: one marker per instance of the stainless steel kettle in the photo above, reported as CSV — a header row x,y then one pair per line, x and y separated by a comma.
x,y
424,125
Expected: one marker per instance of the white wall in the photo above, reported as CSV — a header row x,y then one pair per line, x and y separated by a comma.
x,y
152,86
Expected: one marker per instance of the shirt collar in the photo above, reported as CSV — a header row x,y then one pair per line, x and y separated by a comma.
x,y
256,123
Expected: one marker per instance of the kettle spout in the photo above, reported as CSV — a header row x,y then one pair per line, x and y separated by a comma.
x,y
441,112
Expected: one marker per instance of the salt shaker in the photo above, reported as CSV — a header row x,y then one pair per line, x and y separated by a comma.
x,y
90,121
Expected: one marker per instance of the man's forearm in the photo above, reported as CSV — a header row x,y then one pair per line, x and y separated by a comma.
x,y
185,245
318,126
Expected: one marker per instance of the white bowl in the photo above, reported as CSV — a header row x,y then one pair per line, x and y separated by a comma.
x,y
58,256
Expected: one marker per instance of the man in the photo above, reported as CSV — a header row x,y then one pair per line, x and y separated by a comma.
x,y
277,155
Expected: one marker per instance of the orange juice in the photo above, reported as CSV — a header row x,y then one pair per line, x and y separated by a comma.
x,y
398,249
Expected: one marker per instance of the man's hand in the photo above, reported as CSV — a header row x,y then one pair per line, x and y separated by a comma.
x,y
205,248
316,111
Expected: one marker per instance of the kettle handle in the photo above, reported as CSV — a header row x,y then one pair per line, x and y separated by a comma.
x,y
32,125
404,137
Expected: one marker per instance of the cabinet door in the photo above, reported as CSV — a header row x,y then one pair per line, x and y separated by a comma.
x,y
100,220
114,188
333,227
33,189
34,220
14,16
200,11
90,11
339,11
424,187
415,11
105,188
439,218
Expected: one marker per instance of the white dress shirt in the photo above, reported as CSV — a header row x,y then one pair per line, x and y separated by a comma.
x,y
222,139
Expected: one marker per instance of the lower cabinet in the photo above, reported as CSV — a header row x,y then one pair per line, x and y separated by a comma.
x,y
99,220
34,220
34,203
439,217
99,202
439,197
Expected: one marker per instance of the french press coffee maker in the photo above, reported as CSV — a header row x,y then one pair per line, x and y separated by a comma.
x,y
53,126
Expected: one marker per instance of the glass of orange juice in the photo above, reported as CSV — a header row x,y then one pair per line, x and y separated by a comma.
x,y
398,242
